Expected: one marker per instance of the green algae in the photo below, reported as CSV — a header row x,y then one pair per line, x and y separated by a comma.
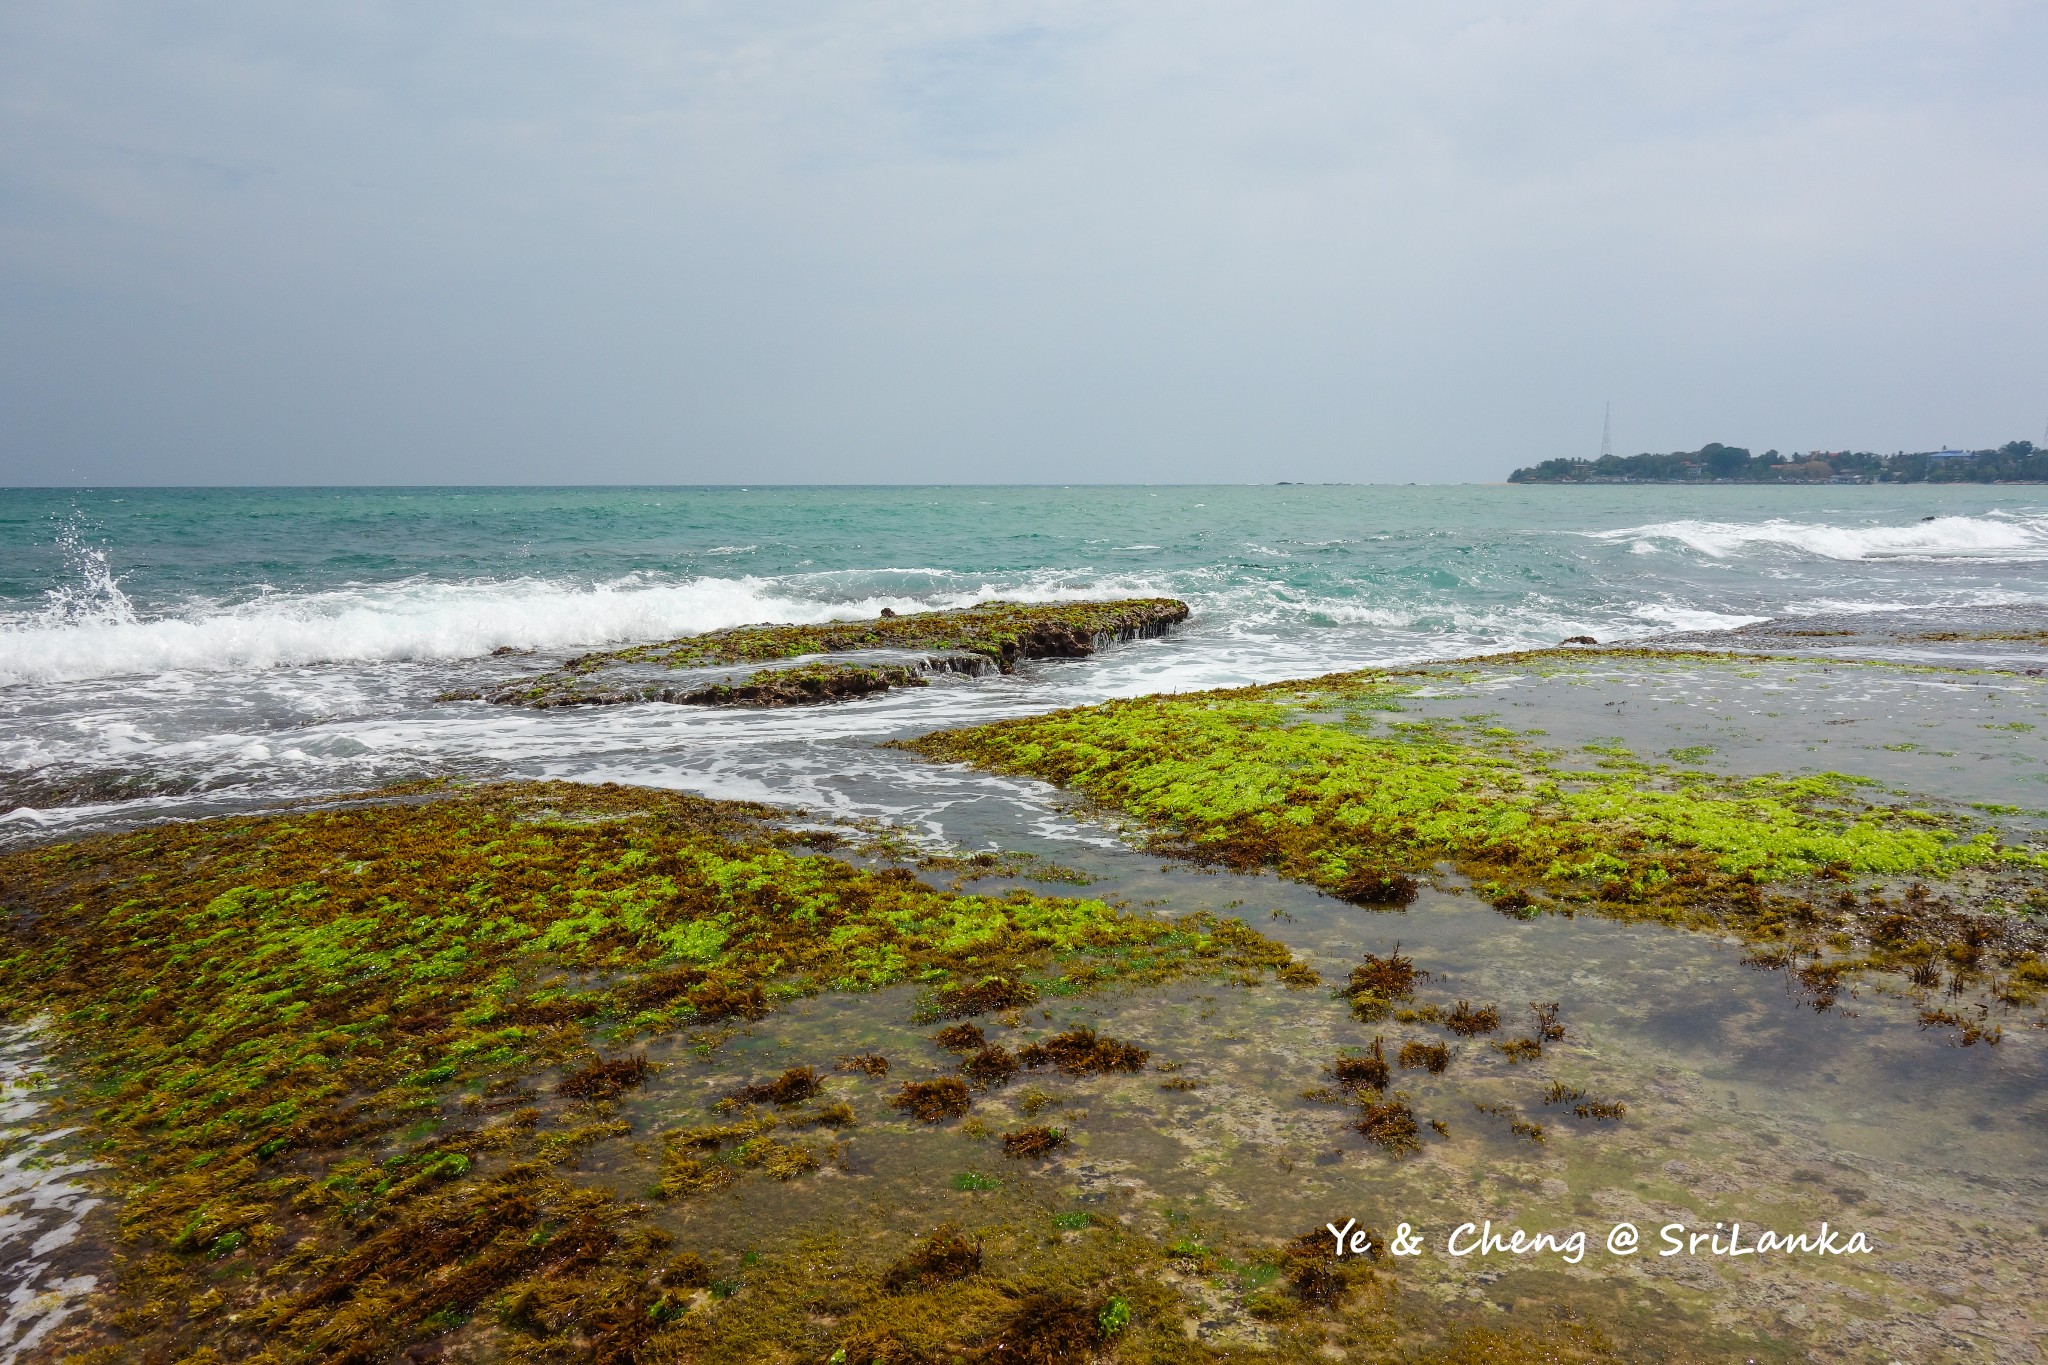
x,y
299,1036
1315,780
1000,633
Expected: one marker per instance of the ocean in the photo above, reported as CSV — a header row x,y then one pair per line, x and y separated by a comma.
x,y
173,652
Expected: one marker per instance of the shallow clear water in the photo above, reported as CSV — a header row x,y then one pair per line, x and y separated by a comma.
x,y
1743,1105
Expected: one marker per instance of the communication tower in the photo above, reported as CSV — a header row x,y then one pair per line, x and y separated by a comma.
x,y
1607,432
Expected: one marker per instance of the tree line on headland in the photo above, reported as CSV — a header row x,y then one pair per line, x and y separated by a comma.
x,y
2014,462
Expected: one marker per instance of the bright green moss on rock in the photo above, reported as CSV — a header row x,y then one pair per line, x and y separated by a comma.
x,y
274,1018
1317,780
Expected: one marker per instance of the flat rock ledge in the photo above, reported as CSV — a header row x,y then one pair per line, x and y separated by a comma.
x,y
988,637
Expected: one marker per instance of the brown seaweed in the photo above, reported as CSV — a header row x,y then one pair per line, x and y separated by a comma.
x,y
1082,1052
1391,1124
1431,1057
1467,1021
1034,1141
1367,1072
933,1101
603,1079
948,1254
793,1086
992,1066
960,1038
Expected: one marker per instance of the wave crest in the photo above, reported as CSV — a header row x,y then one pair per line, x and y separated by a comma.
x,y
89,634
1992,537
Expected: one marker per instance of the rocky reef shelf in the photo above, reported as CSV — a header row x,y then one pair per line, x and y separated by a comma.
x,y
543,1071
991,636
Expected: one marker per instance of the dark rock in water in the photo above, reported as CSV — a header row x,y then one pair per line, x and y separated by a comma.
x,y
888,613
1003,632
794,686
1580,640
993,636
62,785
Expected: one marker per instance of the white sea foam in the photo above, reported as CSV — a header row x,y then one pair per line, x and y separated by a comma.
x,y
94,632
1677,618
43,1201
1991,537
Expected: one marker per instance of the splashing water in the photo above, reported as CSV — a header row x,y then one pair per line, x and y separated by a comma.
x,y
90,595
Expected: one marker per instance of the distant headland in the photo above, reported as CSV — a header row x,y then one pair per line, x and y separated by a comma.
x,y
2014,462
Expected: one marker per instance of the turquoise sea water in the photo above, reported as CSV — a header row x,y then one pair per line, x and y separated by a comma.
x,y
185,650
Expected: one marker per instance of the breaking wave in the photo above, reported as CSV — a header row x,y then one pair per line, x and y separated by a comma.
x,y
93,631
1993,537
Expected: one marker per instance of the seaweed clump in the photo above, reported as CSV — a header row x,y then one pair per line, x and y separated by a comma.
x,y
1468,1021
1390,1123
1431,1057
1034,1141
960,1038
793,1086
1048,1329
1373,885
867,1063
992,1066
1581,1105
933,1101
1367,1072
1314,1272
1378,982
948,1254
605,1079
1083,1052
981,997
1966,1032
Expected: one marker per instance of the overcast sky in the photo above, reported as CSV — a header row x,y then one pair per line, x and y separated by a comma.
x,y
973,240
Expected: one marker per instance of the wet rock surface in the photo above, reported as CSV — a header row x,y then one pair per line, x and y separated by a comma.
x,y
2014,636
901,651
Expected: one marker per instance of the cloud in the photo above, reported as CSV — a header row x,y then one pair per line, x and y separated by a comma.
x,y
991,241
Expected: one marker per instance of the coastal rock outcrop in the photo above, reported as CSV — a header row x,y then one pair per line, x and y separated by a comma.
x,y
988,637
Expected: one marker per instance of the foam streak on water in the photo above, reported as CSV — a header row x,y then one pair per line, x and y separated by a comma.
x,y
44,1204
176,652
